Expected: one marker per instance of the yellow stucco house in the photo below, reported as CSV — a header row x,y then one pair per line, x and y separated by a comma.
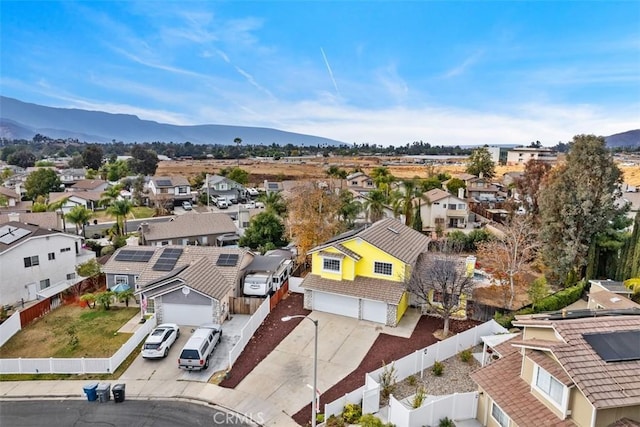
x,y
577,369
362,273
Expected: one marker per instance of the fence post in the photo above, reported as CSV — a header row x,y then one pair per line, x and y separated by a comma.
x,y
83,368
20,364
51,365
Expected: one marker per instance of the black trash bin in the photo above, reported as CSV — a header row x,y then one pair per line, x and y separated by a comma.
x,y
103,392
118,393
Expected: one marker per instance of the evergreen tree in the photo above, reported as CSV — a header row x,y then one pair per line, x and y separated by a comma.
x,y
480,163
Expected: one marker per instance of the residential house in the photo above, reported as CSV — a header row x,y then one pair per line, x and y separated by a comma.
x,y
72,176
8,198
568,370
362,273
87,199
37,262
360,182
609,295
95,185
443,210
48,220
169,191
206,229
223,186
521,155
187,285
482,190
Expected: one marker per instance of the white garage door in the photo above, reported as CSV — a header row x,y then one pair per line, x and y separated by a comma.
x,y
186,314
375,311
336,304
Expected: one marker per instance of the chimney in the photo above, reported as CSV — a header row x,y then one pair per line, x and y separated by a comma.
x,y
14,217
461,193
145,227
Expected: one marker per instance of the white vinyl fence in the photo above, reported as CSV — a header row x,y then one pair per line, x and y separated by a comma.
x,y
458,406
248,330
413,363
10,327
82,365
294,285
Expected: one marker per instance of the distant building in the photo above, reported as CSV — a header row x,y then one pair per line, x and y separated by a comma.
x,y
521,155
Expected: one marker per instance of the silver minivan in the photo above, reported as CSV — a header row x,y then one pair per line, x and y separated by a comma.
x,y
196,352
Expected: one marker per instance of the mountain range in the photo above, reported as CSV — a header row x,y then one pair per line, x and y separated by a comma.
x,y
22,120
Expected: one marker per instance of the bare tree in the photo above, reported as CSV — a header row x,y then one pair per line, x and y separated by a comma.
x,y
440,279
510,255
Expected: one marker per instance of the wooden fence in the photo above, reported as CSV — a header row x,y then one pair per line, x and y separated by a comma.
x,y
244,305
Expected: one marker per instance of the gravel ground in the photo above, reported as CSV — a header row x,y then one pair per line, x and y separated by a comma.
x,y
454,379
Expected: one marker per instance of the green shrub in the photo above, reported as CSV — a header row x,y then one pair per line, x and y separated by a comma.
x,y
560,299
319,418
388,380
411,379
334,421
438,368
446,422
351,413
504,320
466,356
370,420
418,398
107,250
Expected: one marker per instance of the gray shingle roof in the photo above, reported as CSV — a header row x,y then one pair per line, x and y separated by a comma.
x,y
361,287
191,225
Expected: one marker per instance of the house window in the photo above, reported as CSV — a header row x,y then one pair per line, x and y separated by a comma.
x,y
182,190
452,207
65,250
71,276
331,264
461,207
354,183
439,221
30,261
499,415
44,284
385,268
124,280
52,256
551,387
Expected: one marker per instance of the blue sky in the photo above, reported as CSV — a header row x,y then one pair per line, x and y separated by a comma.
x,y
444,72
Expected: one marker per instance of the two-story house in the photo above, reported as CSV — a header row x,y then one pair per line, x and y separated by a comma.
x,y
222,186
186,285
205,229
443,210
36,262
568,370
169,190
360,182
482,190
362,273
71,176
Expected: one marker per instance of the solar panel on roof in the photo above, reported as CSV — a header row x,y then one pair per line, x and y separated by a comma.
x,y
167,260
164,183
227,260
9,234
615,346
128,255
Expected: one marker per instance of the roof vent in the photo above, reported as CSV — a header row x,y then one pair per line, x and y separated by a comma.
x,y
393,230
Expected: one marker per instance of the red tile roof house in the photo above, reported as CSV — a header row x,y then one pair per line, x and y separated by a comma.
x,y
582,371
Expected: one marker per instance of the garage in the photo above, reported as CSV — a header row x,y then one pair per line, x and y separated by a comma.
x,y
186,314
376,311
336,304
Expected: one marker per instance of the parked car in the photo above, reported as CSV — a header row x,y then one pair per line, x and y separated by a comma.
x,y
196,352
253,192
186,206
160,341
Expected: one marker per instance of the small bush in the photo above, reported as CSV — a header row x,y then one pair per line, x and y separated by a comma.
x,y
334,421
418,398
319,418
504,320
438,368
411,379
388,380
466,356
351,413
446,422
370,420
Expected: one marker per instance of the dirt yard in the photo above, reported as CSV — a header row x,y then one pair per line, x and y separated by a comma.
x,y
315,168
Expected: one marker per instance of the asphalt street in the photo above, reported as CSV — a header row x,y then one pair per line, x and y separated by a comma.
x,y
130,413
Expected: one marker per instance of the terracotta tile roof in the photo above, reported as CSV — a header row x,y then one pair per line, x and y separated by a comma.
x,y
506,348
625,422
348,251
8,192
501,381
606,385
191,225
437,194
550,365
362,287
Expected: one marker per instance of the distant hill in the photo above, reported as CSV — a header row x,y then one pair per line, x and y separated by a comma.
x,y
22,120
625,139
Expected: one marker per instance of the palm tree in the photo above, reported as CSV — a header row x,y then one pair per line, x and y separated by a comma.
x,y
79,215
375,205
382,179
238,141
110,195
57,207
273,202
120,208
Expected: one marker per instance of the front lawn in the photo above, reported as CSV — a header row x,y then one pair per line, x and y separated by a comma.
x,y
71,331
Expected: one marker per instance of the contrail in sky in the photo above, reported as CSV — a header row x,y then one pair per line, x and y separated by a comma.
x,y
330,72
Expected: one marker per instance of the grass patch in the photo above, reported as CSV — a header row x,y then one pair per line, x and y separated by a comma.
x,y
71,331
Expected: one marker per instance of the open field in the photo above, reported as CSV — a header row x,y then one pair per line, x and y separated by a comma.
x,y
315,168
95,329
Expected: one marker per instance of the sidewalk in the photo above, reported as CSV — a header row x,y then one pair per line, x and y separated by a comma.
x,y
230,400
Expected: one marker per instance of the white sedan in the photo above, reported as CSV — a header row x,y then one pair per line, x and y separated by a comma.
x,y
160,341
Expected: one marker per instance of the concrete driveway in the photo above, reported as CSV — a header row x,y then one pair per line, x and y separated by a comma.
x,y
167,368
284,377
